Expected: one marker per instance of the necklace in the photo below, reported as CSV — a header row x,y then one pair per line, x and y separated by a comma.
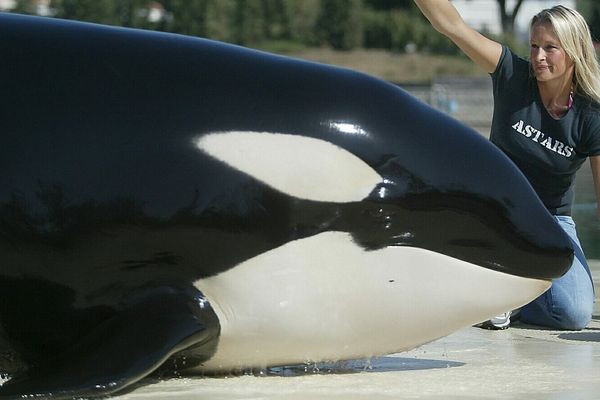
x,y
570,103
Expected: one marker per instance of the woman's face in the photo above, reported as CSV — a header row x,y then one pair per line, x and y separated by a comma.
x,y
548,58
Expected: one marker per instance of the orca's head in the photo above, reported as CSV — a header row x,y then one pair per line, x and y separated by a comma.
x,y
415,250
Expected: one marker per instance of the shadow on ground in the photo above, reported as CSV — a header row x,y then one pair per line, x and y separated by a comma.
x,y
589,335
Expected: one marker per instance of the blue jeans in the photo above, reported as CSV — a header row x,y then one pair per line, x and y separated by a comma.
x,y
569,303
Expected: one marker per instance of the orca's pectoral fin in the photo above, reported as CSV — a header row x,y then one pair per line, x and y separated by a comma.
x,y
158,324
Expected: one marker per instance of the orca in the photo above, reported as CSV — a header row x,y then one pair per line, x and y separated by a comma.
x,y
175,203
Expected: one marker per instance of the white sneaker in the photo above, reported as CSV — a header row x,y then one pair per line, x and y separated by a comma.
x,y
499,322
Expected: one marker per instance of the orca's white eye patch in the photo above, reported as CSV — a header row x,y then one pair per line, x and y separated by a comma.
x,y
299,166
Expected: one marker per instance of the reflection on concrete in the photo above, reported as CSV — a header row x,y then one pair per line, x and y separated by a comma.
x,y
374,365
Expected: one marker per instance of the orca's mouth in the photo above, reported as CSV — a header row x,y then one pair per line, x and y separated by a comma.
x,y
465,227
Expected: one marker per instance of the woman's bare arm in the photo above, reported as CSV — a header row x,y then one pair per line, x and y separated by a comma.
x,y
446,20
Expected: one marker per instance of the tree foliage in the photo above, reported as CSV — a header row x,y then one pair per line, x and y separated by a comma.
x,y
591,11
341,24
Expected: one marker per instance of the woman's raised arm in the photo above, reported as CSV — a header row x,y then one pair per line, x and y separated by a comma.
x,y
446,20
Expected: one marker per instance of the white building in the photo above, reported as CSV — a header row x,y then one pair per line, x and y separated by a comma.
x,y
6,5
484,15
39,7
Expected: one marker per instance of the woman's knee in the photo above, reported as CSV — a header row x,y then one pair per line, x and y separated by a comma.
x,y
559,310
574,317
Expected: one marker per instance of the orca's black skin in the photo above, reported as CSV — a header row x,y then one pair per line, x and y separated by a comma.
x,y
108,213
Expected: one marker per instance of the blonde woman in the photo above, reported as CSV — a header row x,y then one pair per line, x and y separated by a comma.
x,y
547,120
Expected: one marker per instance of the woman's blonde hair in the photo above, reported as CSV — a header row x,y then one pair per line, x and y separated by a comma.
x,y
575,37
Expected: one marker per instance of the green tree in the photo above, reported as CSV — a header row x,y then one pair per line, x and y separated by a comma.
x,y
23,7
377,29
591,11
186,17
302,16
340,24
100,11
248,22
218,20
276,19
387,5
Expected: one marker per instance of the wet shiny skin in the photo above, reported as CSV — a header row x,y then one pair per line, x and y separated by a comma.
x,y
110,212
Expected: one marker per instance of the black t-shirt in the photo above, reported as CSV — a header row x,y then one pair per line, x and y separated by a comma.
x,y
548,151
